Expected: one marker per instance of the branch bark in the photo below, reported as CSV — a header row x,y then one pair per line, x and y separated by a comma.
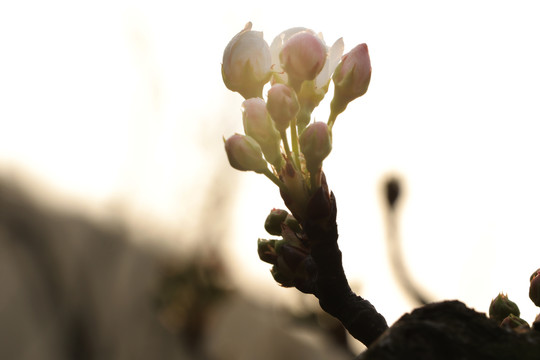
x,y
330,284
450,330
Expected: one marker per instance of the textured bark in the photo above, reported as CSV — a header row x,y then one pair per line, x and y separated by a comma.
x,y
450,330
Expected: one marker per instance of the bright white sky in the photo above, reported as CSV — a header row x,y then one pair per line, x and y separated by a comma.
x,y
107,102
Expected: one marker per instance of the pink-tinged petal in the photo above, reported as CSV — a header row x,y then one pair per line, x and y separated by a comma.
x,y
280,75
332,61
247,63
303,56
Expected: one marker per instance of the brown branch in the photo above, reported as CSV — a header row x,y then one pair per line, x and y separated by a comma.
x,y
450,330
330,284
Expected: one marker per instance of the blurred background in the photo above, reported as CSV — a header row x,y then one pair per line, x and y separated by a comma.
x,y
117,110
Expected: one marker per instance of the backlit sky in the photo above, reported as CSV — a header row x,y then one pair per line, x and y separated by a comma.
x,y
122,102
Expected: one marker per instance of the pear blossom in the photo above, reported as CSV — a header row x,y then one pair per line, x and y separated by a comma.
x,y
351,77
302,57
334,54
247,63
282,104
316,144
244,154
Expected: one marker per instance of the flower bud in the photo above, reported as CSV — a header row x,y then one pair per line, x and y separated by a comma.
x,y
501,307
289,269
534,289
292,223
259,126
282,274
316,144
351,77
245,154
514,322
267,250
303,57
282,105
247,63
274,220
312,92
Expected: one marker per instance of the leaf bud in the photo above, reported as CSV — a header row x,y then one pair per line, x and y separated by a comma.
x,y
501,307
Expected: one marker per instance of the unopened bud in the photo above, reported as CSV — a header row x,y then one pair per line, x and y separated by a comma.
x,y
267,250
282,275
514,322
282,105
303,57
290,268
534,289
274,220
501,307
292,223
259,125
351,77
316,144
245,154
247,63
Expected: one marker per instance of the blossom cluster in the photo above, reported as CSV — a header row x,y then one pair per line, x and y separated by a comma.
x,y
280,140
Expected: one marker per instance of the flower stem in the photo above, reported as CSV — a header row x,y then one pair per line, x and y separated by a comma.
x,y
315,178
332,119
294,143
269,174
285,143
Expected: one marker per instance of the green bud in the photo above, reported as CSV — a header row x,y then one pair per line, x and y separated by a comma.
x,y
282,276
267,250
292,223
501,307
245,154
316,144
534,289
514,322
274,220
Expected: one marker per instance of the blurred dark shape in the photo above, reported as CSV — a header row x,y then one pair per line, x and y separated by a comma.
x,y
392,192
71,288
189,290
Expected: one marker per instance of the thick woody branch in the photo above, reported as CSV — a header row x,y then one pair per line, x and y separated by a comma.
x,y
330,284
